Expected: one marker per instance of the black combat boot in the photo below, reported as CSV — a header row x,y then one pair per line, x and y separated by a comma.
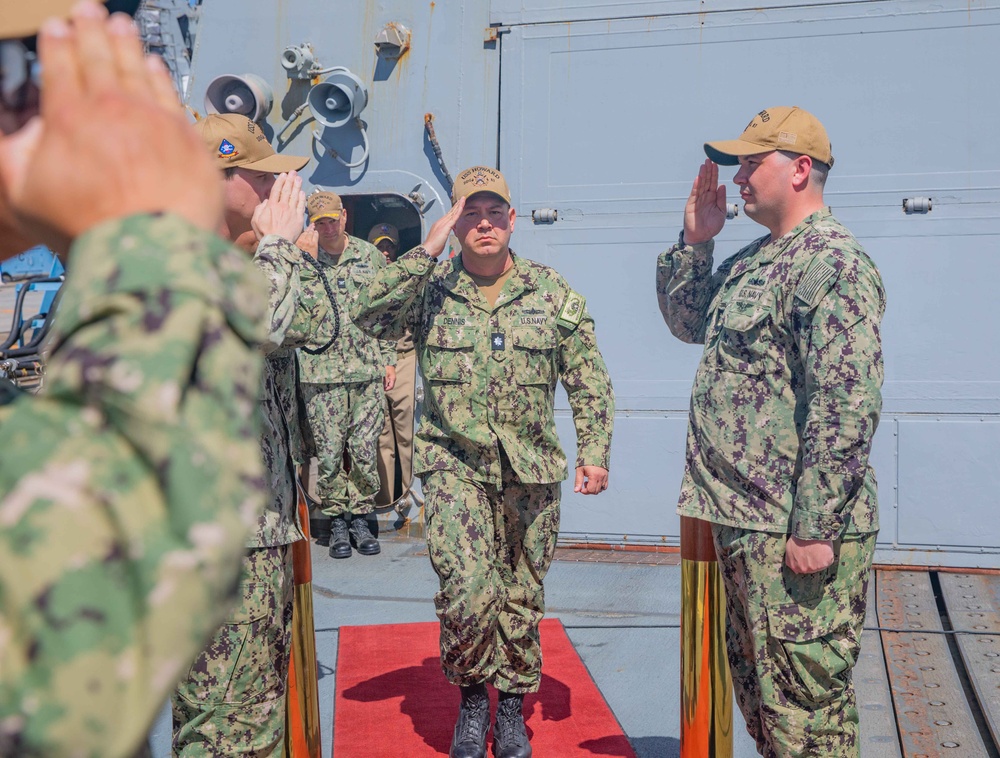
x,y
510,740
364,540
469,740
340,540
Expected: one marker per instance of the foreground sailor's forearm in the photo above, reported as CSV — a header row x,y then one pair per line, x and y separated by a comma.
x,y
129,489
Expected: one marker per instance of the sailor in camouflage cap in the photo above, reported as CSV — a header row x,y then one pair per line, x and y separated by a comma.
x,y
493,332
786,400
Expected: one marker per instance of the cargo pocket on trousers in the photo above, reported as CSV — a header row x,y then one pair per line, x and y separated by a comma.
x,y
813,650
244,650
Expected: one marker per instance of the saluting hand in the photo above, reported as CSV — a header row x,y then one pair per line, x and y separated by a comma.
x,y
705,212
437,237
308,241
87,158
282,212
591,480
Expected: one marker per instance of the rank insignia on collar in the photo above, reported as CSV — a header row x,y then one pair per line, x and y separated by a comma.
x,y
497,341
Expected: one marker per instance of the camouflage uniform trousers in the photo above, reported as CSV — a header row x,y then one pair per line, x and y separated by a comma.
x,y
232,702
491,549
793,640
347,417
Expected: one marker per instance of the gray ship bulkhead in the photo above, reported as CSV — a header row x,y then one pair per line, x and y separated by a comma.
x,y
596,112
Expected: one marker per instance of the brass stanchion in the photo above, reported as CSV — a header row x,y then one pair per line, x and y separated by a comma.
x,y
302,726
706,686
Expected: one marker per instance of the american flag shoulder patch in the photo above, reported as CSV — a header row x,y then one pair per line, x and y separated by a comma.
x,y
811,285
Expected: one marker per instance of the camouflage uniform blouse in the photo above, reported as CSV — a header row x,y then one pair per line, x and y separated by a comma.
x,y
299,309
128,489
787,396
356,357
490,373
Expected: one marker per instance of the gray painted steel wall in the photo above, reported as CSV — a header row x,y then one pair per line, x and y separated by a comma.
x,y
598,109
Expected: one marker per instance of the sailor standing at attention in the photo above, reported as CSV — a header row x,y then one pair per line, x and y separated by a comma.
x,y
786,400
493,333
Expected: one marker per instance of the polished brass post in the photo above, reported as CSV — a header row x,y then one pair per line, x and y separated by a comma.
x,y
302,727
706,686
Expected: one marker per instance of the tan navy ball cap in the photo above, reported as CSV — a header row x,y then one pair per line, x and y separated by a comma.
x,y
381,232
480,179
236,141
781,128
324,205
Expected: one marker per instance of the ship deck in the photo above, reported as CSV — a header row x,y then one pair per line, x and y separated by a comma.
x,y
928,680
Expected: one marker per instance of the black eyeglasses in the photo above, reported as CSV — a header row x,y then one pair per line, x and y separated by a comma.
x,y
18,70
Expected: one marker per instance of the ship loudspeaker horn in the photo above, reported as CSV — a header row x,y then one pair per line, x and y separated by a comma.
x,y
248,95
338,100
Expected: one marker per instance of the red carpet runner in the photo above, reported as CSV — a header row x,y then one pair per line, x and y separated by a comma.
x,y
393,700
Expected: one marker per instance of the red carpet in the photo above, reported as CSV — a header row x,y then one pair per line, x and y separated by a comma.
x,y
393,700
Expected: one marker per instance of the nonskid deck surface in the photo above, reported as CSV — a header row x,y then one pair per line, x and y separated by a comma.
x,y
923,690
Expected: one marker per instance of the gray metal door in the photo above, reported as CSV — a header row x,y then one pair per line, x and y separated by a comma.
x,y
603,111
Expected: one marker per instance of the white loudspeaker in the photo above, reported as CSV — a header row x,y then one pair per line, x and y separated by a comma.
x,y
338,100
248,95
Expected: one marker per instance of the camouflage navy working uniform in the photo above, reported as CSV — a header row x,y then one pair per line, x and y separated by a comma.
x,y
785,402
342,387
128,488
233,700
487,449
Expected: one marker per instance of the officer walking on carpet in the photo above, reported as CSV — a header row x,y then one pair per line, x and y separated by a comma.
x,y
493,333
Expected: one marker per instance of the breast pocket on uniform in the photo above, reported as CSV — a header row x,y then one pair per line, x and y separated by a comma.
x,y
449,355
360,277
534,355
746,339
